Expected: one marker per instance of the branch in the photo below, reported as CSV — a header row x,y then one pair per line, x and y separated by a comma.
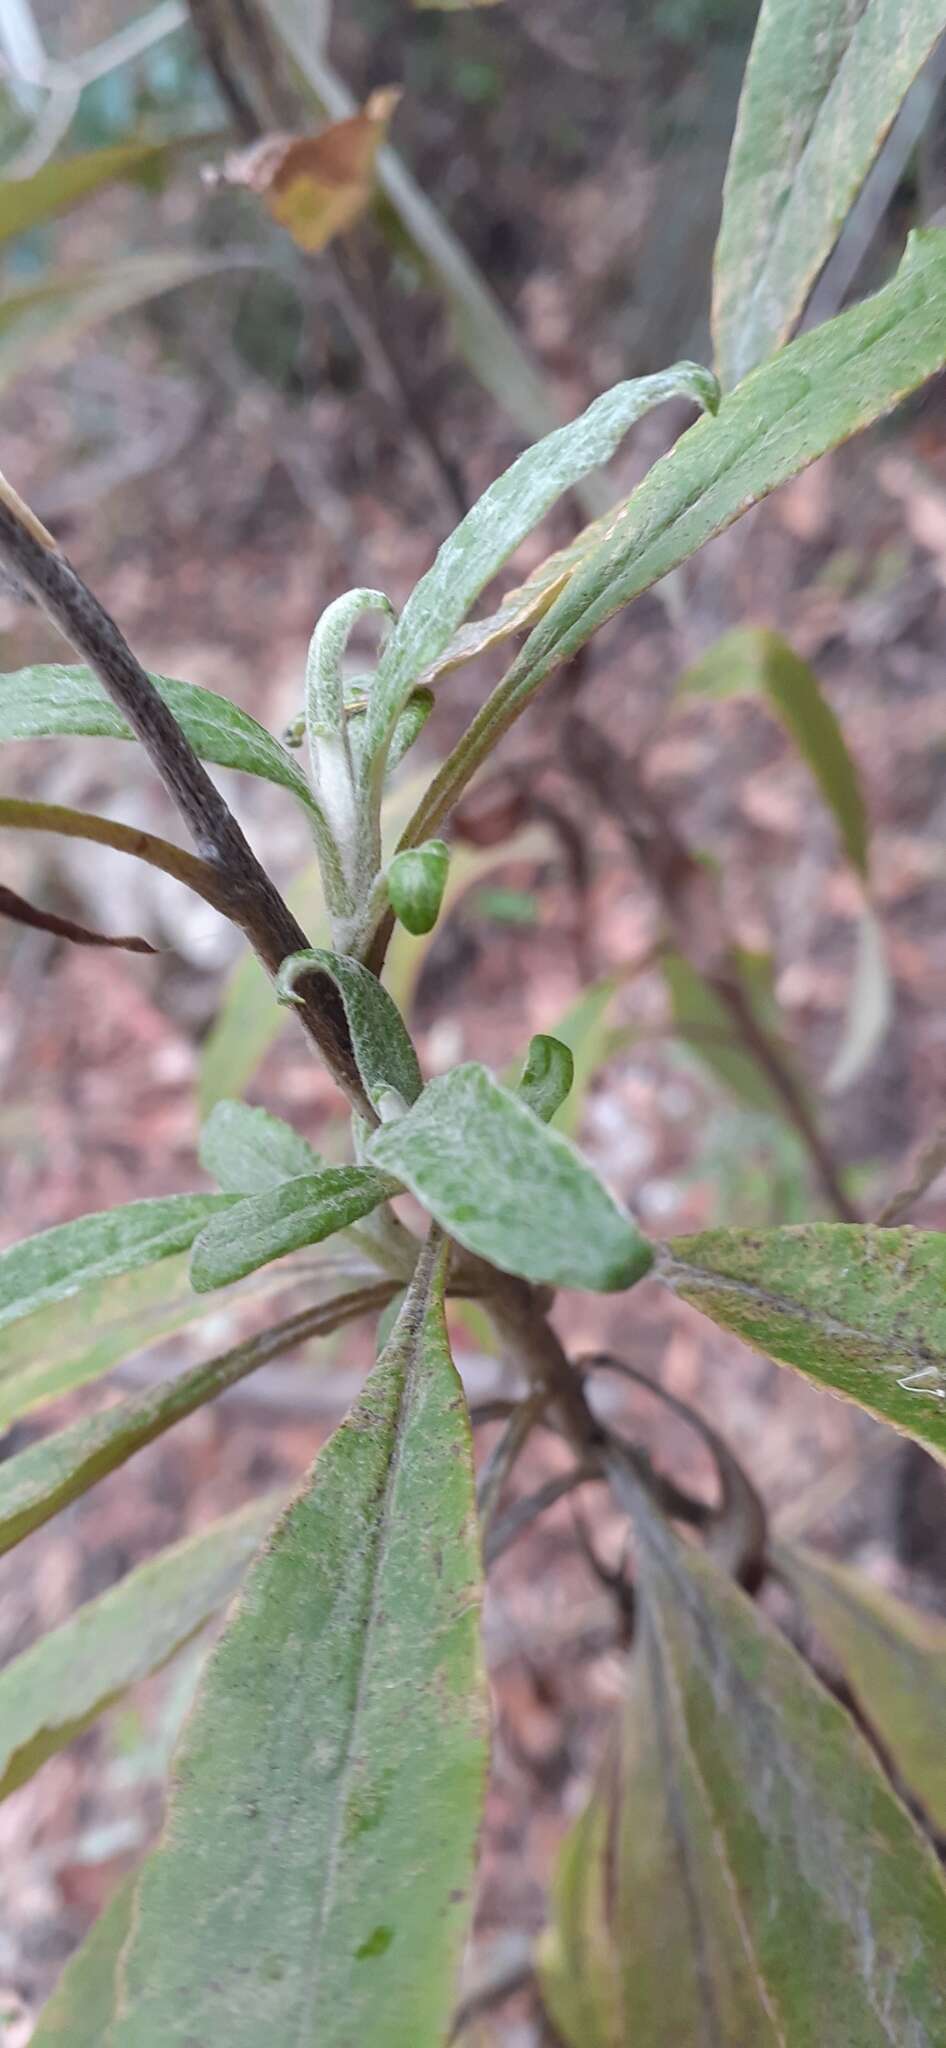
x,y
247,896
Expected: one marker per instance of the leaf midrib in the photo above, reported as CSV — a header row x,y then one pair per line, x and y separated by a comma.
x,y
385,1496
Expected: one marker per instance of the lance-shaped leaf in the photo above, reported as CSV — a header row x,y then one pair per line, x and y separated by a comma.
x,y
894,1659
822,87
283,1219
859,1310
335,1757
63,183
819,391
547,1075
71,1256
81,2007
502,518
247,1150
384,1055
708,1028
77,1340
44,1478
744,1872
50,701
55,1689
753,661
509,1188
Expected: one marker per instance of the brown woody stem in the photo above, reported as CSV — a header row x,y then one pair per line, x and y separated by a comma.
x,y
247,895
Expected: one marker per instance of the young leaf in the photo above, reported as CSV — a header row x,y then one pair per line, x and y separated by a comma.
x,y
50,701
417,879
296,1213
858,1309
38,1482
744,1872
502,518
508,1188
753,661
823,388
547,1076
71,1256
335,1757
385,1057
821,90
80,2010
247,1151
894,1659
55,1689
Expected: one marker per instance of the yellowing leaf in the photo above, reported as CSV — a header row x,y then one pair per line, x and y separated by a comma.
x,y
316,186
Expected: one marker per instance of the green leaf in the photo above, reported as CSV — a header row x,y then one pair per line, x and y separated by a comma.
x,y
40,323
894,1659
744,1873
296,1213
55,1689
74,1341
508,1188
547,1076
822,87
49,701
335,1757
81,2007
384,1055
247,1150
38,1482
858,1309
816,393
59,1262
416,881
702,1020
59,185
752,661
502,518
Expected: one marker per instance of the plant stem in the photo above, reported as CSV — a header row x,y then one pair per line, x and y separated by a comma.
x,y
247,895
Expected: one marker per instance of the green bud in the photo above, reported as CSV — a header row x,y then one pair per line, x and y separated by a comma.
x,y
416,882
